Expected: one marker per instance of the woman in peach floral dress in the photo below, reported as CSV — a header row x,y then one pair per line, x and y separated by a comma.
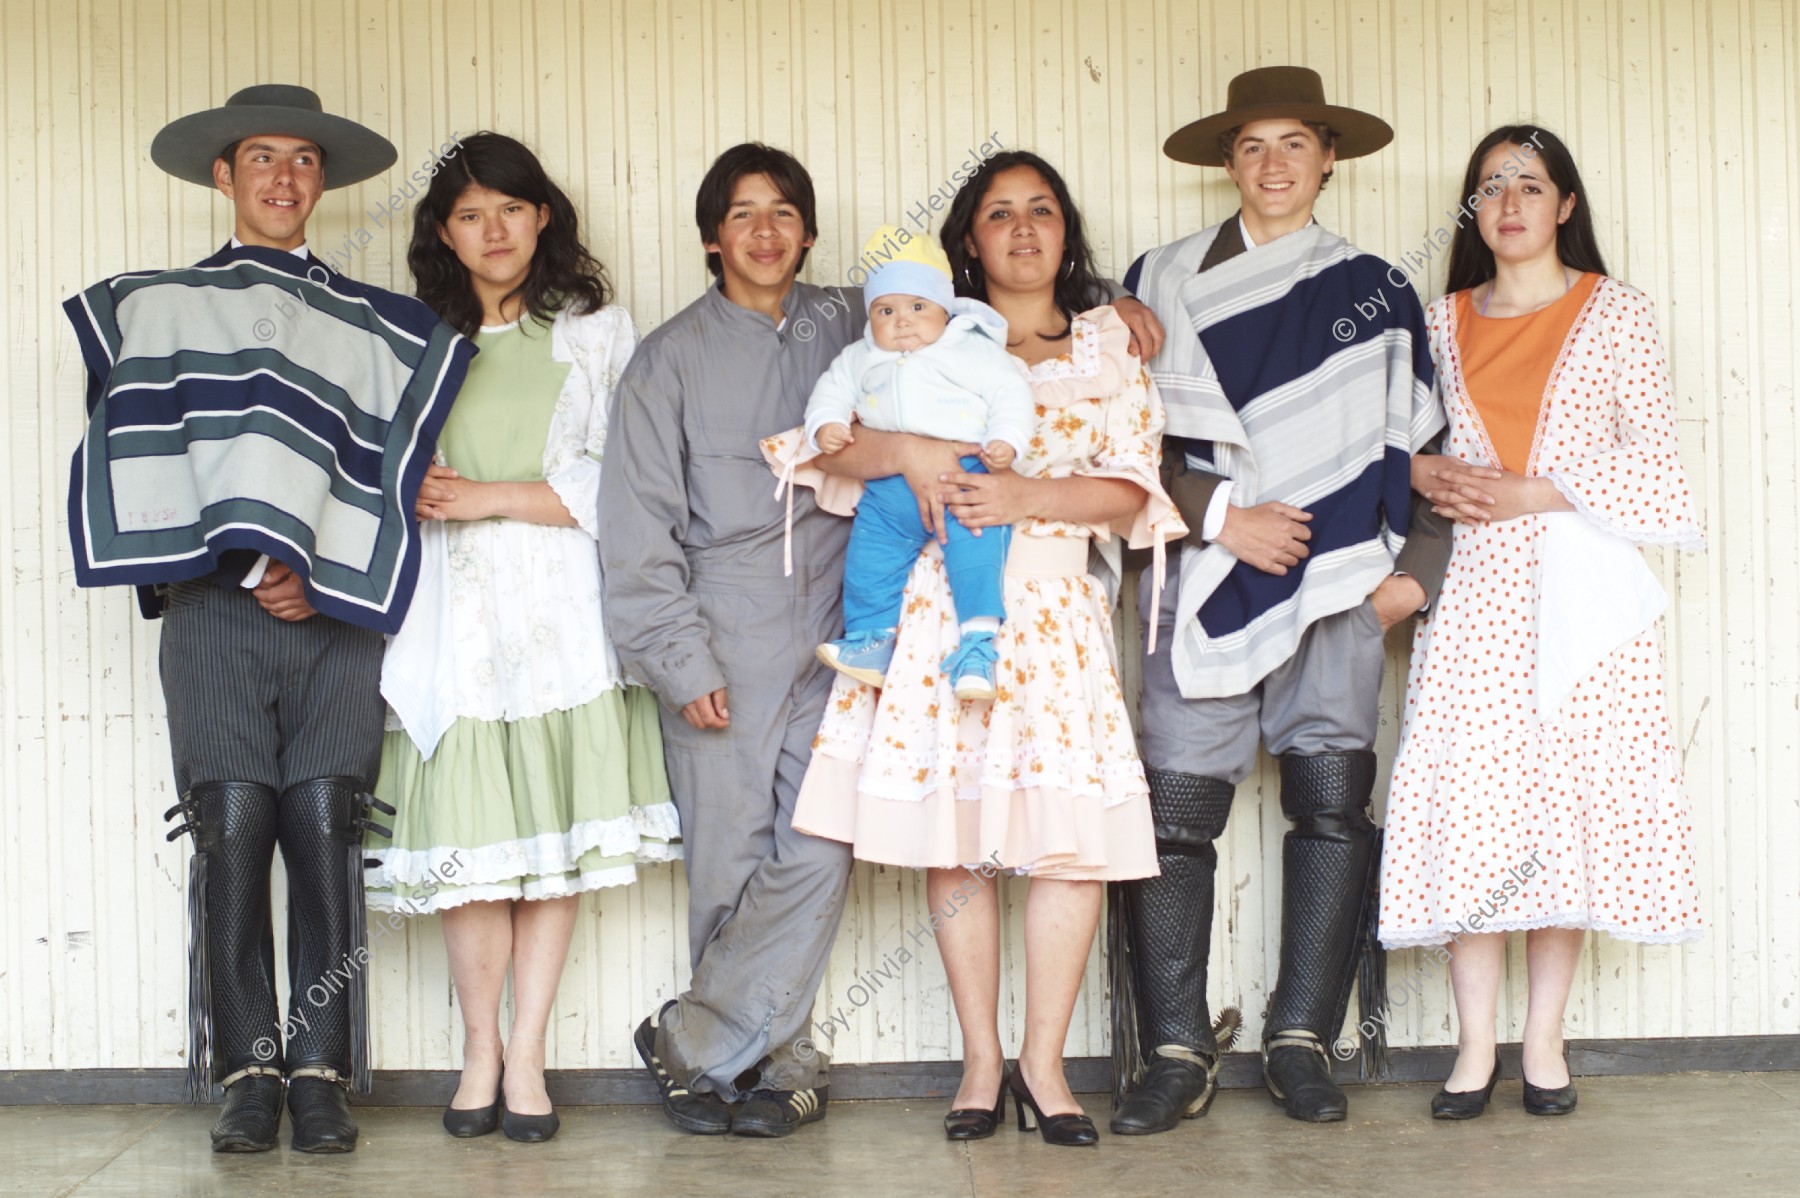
x,y
1045,779
1538,784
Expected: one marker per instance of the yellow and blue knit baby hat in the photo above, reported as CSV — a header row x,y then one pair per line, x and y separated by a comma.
x,y
902,263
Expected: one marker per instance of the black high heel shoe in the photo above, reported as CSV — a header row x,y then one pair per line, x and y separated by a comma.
x,y
1560,1101
467,1123
1067,1131
1465,1104
973,1123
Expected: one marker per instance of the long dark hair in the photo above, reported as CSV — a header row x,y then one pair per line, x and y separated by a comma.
x,y
563,274
1472,262
1078,284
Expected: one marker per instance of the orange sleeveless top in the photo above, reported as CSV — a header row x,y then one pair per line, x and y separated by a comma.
x,y
1506,364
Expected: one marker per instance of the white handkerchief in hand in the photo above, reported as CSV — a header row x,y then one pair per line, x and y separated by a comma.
x,y
418,668
1595,594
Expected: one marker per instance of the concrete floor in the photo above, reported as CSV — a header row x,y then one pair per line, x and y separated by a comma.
x,y
1700,1133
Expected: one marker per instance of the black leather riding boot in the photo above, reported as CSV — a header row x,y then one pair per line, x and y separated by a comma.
x,y
321,828
251,1115
1329,863
233,1030
1168,934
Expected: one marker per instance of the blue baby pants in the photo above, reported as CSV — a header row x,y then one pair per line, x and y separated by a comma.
x,y
885,541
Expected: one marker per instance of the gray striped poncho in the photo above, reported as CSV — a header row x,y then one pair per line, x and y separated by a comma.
x,y
258,401
1308,381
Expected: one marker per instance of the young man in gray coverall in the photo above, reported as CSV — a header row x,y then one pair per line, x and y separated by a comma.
x,y
699,606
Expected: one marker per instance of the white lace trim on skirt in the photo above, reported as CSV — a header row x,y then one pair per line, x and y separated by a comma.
x,y
550,855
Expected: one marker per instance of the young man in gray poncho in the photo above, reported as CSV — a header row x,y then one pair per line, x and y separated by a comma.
x,y
258,428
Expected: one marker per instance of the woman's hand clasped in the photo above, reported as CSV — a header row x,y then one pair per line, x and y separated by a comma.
x,y
447,495
1481,494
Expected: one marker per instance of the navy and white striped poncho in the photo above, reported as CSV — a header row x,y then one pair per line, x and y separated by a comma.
x,y
1308,382
259,401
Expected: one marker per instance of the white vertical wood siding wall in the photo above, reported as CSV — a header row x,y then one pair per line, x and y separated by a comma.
x,y
1680,114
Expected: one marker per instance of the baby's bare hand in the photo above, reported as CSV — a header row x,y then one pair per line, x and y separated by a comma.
x,y
997,455
833,437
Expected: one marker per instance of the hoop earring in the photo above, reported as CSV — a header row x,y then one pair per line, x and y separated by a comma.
x,y
966,277
1069,270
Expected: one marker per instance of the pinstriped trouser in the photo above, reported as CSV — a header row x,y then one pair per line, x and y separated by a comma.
x,y
255,699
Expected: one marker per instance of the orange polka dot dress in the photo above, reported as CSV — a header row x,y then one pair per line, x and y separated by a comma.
x,y
1502,817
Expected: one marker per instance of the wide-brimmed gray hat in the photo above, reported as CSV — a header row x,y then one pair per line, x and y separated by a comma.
x,y
187,147
1272,93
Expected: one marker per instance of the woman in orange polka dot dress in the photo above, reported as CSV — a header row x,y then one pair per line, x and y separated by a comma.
x,y
1538,785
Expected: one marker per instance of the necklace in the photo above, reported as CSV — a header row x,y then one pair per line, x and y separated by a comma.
x,y
1568,283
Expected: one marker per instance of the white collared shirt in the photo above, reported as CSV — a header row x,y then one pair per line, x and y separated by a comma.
x,y
301,251
1245,229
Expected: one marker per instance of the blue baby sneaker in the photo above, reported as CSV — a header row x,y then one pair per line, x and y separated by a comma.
x,y
971,667
864,656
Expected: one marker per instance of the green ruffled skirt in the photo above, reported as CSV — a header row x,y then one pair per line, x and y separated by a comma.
x,y
543,807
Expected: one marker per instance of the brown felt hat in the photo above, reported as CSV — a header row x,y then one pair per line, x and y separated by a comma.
x,y
186,147
1271,93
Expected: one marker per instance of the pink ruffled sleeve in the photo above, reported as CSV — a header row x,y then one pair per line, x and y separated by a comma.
x,y
1130,420
790,457
1131,449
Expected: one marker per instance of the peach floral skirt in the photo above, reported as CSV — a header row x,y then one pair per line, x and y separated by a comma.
x,y
1046,775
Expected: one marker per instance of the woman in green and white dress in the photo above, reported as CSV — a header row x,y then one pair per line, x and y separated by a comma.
x,y
523,766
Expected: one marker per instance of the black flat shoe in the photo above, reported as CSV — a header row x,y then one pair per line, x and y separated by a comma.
x,y
320,1110
772,1113
251,1115
972,1123
1560,1101
701,1114
466,1124
529,1129
1298,1075
1465,1104
1065,1131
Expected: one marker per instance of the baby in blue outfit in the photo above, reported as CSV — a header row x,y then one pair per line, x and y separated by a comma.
x,y
937,366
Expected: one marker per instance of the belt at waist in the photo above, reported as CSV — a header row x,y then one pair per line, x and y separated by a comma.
x,y
1046,557
743,578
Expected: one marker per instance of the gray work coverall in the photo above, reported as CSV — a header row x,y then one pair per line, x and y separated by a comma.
x,y
696,599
